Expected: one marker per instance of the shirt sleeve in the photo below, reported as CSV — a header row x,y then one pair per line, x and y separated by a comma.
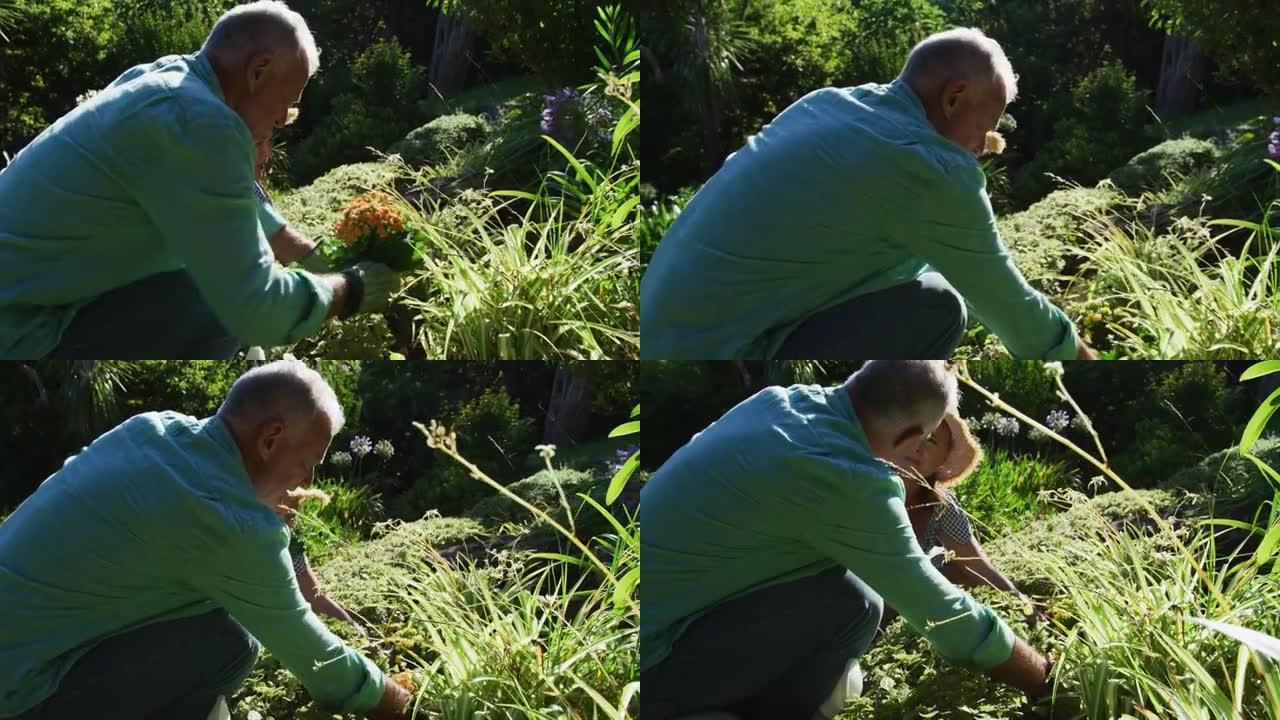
x,y
870,533
192,173
269,218
255,583
953,229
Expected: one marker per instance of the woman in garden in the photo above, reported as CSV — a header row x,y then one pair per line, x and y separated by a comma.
x,y
942,527
320,603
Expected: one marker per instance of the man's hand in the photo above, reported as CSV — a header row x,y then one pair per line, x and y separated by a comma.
x,y
1025,669
1085,352
379,284
396,703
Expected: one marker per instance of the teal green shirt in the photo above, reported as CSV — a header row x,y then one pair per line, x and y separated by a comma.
x,y
782,487
848,191
154,174
156,520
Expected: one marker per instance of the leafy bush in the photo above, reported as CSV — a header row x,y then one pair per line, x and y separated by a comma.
x,y
433,142
1237,486
553,38
492,433
1003,493
656,217
1158,167
541,491
377,108
314,209
1042,237
348,518
1103,128
1238,34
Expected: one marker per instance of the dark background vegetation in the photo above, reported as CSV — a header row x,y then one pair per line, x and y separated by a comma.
x,y
500,411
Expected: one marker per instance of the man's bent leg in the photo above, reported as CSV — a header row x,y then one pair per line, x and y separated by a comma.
x,y
923,320
776,653
159,317
173,670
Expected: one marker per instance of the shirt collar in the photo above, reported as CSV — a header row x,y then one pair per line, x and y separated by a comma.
x,y
203,69
215,428
838,399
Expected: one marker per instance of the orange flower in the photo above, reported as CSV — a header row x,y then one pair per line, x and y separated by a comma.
x,y
370,214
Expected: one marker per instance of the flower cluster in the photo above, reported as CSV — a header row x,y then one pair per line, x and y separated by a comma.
x,y
1002,425
340,458
546,451
384,449
995,143
372,215
361,445
1058,420
1273,142
569,115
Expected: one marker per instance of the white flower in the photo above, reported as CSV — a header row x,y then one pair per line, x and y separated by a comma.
x,y
253,715
1081,422
340,458
546,451
1058,420
361,445
384,448
1054,369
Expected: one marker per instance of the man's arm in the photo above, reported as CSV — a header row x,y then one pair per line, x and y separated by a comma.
x,y
1025,669
953,229
289,245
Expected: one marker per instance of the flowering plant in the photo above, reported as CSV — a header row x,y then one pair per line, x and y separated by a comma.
x,y
373,228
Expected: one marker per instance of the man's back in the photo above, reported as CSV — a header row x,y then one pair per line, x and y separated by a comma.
x,y
802,217
107,543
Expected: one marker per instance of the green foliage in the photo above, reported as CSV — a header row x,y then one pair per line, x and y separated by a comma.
x,y
1238,34
1024,384
374,110
1103,129
656,217
1237,486
434,142
551,38
801,46
1163,165
348,518
1043,237
1003,493
492,432
548,490
314,210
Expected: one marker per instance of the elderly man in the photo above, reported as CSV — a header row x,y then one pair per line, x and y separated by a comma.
x,y
131,228
855,225
773,539
138,579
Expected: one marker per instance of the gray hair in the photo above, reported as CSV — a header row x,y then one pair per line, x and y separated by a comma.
x,y
960,51
265,25
285,387
903,394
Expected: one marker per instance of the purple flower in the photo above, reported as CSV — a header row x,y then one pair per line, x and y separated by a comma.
x,y
1273,144
569,117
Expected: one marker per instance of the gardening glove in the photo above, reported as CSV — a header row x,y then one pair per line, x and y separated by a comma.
x,y
314,262
371,286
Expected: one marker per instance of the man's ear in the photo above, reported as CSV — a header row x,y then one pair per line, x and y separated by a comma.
x,y
952,93
270,438
258,69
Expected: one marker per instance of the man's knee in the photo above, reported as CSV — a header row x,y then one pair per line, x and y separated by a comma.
x,y
236,649
945,303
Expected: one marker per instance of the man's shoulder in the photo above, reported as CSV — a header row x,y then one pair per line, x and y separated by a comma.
x,y
168,102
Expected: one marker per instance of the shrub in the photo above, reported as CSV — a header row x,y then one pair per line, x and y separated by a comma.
x,y
1003,493
376,108
493,435
1158,167
1042,237
432,143
315,208
1238,34
1103,128
1235,483
540,491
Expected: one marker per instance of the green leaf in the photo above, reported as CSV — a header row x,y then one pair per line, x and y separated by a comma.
x,y
1257,370
1267,548
1258,423
626,585
626,428
621,477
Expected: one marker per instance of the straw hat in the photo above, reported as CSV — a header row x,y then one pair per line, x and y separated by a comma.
x,y
964,456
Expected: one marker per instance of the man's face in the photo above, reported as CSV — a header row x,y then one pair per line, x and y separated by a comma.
x,y
287,457
273,84
968,112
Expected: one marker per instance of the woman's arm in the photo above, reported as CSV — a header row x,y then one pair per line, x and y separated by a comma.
x,y
319,602
971,566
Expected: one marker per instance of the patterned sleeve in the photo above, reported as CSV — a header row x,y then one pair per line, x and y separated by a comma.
x,y
297,553
950,521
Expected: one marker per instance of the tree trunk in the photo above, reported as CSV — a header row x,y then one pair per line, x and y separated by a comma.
x,y
1181,70
451,55
569,408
